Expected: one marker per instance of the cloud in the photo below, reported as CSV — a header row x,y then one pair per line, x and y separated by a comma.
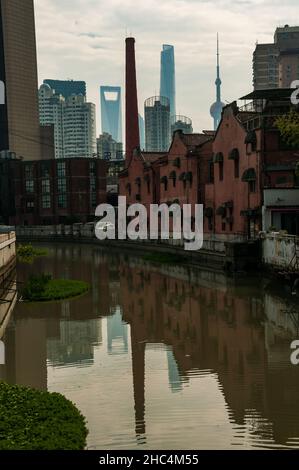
x,y
85,39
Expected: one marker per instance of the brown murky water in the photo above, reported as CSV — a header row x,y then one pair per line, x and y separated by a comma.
x,y
162,357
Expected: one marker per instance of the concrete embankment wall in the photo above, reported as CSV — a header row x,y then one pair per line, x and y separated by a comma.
x,y
217,253
7,254
279,250
8,291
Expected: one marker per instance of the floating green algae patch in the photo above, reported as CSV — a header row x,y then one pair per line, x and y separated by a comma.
x,y
27,253
44,289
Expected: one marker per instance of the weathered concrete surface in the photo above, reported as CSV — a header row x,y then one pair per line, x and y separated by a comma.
x,y
279,250
7,254
216,253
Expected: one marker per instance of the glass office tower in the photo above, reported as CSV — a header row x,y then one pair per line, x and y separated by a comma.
x,y
167,87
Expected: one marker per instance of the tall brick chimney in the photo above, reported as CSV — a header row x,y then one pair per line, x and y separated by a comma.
x,y
132,121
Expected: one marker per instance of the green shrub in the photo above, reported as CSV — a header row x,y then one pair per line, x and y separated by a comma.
x,y
27,253
35,420
43,288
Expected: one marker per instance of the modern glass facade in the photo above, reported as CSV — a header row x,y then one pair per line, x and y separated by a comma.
x,y
141,132
167,87
111,111
67,88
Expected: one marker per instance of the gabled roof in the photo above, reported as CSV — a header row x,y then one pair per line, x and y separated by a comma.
x,y
194,140
143,157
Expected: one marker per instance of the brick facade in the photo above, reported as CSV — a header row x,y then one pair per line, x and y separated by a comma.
x,y
57,191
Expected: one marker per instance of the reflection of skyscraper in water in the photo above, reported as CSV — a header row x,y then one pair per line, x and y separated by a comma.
x,y
111,112
167,88
117,335
76,342
175,381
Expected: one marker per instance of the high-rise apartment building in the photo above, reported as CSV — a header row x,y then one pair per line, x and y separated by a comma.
x,y
108,148
265,66
51,108
73,120
276,65
79,127
181,123
157,124
111,112
167,86
19,123
67,88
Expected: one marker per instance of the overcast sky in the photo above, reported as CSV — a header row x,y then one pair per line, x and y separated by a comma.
x,y
84,40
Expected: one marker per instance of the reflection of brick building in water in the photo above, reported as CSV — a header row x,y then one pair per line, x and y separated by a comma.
x,y
220,330
75,342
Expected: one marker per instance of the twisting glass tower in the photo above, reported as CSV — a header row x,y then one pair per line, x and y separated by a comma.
x,y
167,87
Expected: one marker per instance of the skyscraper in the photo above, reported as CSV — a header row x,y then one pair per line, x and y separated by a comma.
x,y
157,124
141,132
79,127
108,149
19,123
216,108
167,87
67,88
111,112
276,65
73,120
51,107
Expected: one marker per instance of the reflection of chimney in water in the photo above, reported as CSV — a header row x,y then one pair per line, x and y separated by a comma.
x,y
138,367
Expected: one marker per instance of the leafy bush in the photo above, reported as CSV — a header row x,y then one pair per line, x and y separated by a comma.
x,y
27,253
35,420
288,126
43,288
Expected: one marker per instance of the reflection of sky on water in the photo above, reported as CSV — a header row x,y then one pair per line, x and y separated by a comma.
x,y
162,357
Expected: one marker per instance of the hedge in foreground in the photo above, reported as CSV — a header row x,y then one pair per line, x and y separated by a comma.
x,y
35,420
43,288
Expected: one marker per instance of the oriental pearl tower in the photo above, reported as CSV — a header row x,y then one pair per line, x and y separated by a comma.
x,y
216,108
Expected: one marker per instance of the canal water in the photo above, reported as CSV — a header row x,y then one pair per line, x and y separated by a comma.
x,y
161,356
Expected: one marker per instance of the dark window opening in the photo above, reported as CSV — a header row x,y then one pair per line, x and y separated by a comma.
x,y
211,171
237,168
221,171
252,186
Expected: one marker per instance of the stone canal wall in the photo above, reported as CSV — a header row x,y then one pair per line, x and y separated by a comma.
x,y
217,253
8,291
7,254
